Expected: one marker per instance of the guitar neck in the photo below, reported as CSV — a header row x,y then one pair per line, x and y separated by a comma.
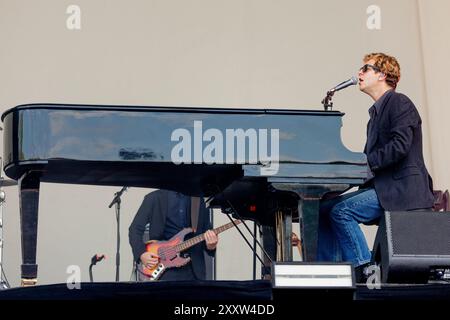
x,y
197,239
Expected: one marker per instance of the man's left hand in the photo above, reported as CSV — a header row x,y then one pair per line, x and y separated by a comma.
x,y
211,240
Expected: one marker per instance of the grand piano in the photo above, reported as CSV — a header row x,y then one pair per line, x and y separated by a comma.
x,y
271,166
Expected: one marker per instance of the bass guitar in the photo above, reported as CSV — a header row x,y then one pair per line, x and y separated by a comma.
x,y
169,251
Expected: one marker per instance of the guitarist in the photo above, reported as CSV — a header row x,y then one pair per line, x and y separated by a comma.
x,y
168,212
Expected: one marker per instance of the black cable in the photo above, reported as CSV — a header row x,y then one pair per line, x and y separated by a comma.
x,y
6,279
248,229
245,239
252,235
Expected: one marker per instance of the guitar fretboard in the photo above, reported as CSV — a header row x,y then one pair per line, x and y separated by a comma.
x,y
193,241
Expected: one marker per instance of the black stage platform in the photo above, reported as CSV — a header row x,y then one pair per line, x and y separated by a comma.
x,y
155,291
221,300
259,290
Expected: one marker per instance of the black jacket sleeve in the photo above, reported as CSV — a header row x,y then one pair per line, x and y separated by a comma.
x,y
137,228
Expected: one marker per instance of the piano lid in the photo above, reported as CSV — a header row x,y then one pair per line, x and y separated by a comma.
x,y
112,142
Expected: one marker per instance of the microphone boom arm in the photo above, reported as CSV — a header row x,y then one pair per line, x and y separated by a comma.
x,y
117,196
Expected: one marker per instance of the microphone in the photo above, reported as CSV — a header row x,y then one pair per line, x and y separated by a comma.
x,y
97,258
327,103
350,82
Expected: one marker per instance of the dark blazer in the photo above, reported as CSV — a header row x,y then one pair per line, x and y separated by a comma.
x,y
394,154
153,211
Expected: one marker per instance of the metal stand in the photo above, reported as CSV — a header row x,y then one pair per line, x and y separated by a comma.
x,y
117,201
327,103
3,283
96,258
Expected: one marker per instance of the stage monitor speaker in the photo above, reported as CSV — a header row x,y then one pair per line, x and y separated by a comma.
x,y
412,245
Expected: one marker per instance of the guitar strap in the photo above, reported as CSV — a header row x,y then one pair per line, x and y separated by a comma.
x,y
195,207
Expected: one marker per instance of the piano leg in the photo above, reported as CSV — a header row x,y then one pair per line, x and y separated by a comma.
x,y
29,205
308,210
309,222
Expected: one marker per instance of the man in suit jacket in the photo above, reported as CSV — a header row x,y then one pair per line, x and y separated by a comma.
x,y
397,176
166,213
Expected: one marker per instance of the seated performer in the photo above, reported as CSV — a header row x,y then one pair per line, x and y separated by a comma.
x,y
167,213
398,179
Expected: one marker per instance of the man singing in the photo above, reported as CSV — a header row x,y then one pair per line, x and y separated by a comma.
x,y
397,176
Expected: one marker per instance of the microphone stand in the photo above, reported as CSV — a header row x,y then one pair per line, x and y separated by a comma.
x,y
96,258
327,103
117,201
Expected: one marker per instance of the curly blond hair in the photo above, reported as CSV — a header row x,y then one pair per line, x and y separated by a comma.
x,y
388,65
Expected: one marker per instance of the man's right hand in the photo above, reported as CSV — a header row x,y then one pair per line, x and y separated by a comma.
x,y
149,259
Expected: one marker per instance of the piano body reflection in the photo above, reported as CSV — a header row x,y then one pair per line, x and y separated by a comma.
x,y
135,146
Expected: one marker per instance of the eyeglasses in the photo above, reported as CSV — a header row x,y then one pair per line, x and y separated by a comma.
x,y
366,67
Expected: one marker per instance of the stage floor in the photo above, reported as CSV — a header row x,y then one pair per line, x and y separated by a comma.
x,y
258,290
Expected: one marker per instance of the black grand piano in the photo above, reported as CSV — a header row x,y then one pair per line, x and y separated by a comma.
x,y
271,166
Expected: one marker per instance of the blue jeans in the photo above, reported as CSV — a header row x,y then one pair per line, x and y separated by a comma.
x,y
340,237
